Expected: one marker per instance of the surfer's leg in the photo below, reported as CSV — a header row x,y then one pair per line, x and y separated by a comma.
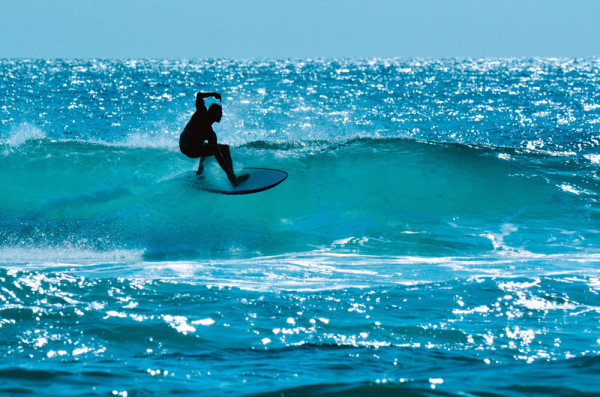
x,y
226,154
201,166
194,149
223,157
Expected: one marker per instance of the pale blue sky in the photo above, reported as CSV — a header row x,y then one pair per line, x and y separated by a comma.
x,y
298,29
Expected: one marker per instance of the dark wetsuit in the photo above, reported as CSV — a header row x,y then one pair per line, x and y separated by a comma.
x,y
198,138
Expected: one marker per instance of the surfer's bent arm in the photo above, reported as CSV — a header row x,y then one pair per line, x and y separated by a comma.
x,y
211,137
200,99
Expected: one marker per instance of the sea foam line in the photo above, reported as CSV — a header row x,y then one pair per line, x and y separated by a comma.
x,y
318,270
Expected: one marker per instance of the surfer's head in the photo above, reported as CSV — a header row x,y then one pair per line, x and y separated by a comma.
x,y
215,112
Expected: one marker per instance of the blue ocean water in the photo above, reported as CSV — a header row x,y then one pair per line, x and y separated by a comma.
x,y
438,233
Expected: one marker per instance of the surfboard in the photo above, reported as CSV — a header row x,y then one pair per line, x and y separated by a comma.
x,y
260,179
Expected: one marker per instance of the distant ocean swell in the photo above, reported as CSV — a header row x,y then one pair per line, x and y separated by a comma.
x,y
553,104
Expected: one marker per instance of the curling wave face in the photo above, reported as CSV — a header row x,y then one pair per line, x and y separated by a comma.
x,y
393,196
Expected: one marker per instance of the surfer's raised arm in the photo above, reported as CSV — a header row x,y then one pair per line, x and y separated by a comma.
x,y
200,99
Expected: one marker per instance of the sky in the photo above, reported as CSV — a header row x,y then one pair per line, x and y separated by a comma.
x,y
243,29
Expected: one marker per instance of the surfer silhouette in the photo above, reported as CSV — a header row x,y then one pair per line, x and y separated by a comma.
x,y
198,138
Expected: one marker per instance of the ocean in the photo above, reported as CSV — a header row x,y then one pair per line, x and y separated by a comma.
x,y
438,234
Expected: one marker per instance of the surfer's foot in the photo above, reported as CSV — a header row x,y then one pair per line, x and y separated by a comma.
x,y
236,180
200,171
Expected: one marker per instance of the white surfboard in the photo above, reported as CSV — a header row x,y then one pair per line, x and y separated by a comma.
x,y
260,179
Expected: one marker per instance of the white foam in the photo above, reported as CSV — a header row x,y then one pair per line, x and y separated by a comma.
x,y
594,158
60,256
22,133
151,141
573,190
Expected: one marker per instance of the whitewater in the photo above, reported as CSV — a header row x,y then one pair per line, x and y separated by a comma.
x,y
438,233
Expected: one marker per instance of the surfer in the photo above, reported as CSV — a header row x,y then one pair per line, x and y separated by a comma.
x,y
198,138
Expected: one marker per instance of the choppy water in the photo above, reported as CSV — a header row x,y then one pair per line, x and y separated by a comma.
x,y
438,232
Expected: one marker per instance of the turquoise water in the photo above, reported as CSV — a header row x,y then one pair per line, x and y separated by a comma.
x,y
438,232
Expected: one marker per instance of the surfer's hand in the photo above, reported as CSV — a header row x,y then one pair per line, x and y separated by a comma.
x,y
218,96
